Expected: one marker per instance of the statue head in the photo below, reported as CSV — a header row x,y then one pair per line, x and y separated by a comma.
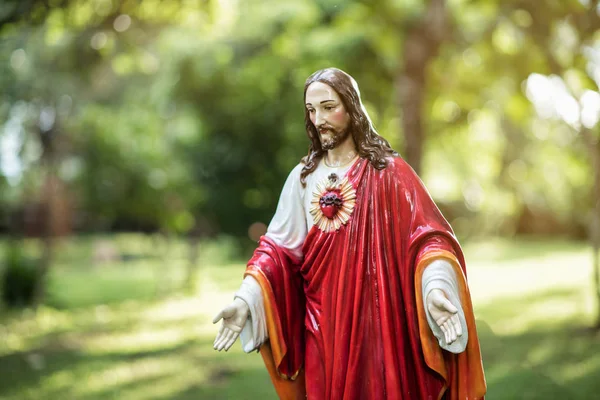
x,y
327,114
350,119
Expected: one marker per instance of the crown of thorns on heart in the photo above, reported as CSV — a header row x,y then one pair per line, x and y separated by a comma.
x,y
332,203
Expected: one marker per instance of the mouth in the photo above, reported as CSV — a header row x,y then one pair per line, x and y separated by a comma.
x,y
324,131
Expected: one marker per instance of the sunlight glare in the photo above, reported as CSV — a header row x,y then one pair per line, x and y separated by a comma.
x,y
590,113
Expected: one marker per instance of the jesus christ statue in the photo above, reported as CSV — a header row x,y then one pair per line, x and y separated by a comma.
x,y
358,289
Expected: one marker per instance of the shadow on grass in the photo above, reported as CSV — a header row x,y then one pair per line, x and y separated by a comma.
x,y
549,360
17,371
560,363
175,372
67,364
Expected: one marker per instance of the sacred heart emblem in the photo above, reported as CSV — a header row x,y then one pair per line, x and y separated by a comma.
x,y
330,202
333,202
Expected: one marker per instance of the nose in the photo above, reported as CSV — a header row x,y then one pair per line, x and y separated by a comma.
x,y
319,118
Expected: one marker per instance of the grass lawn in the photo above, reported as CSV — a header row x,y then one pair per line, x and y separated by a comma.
x,y
119,330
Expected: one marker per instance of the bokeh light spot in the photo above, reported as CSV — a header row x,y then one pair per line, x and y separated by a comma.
x,y
18,58
98,41
522,18
149,63
256,230
158,178
590,112
47,118
450,111
471,58
122,23
474,195
517,170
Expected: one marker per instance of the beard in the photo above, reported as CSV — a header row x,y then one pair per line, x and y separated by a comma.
x,y
334,139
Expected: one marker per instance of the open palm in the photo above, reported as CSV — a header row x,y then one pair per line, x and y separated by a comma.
x,y
445,315
234,317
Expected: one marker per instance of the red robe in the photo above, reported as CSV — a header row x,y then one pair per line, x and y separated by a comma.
x,y
347,321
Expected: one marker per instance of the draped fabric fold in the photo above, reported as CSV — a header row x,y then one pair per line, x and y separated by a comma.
x,y
351,312
277,272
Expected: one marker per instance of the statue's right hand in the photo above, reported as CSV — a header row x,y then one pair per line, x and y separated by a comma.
x,y
234,317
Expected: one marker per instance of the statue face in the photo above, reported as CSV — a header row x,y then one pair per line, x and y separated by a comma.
x,y
328,114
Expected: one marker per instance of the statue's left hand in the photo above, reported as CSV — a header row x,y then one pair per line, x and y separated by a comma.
x,y
445,315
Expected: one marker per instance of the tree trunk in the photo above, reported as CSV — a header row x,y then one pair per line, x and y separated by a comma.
x,y
410,92
47,236
420,48
593,146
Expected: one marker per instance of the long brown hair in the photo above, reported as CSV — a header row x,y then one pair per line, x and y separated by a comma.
x,y
369,143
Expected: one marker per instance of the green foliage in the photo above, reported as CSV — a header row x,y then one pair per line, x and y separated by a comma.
x,y
186,116
19,277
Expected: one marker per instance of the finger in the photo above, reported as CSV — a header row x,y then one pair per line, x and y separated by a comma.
x,y
216,340
221,329
221,339
228,339
449,332
231,341
226,335
229,311
218,317
457,325
449,306
454,335
452,331
441,320
225,313
443,328
446,333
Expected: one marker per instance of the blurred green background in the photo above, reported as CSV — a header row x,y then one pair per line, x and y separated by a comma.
x,y
143,146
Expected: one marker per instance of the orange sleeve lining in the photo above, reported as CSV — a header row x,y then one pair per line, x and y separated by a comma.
x,y
475,386
273,351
